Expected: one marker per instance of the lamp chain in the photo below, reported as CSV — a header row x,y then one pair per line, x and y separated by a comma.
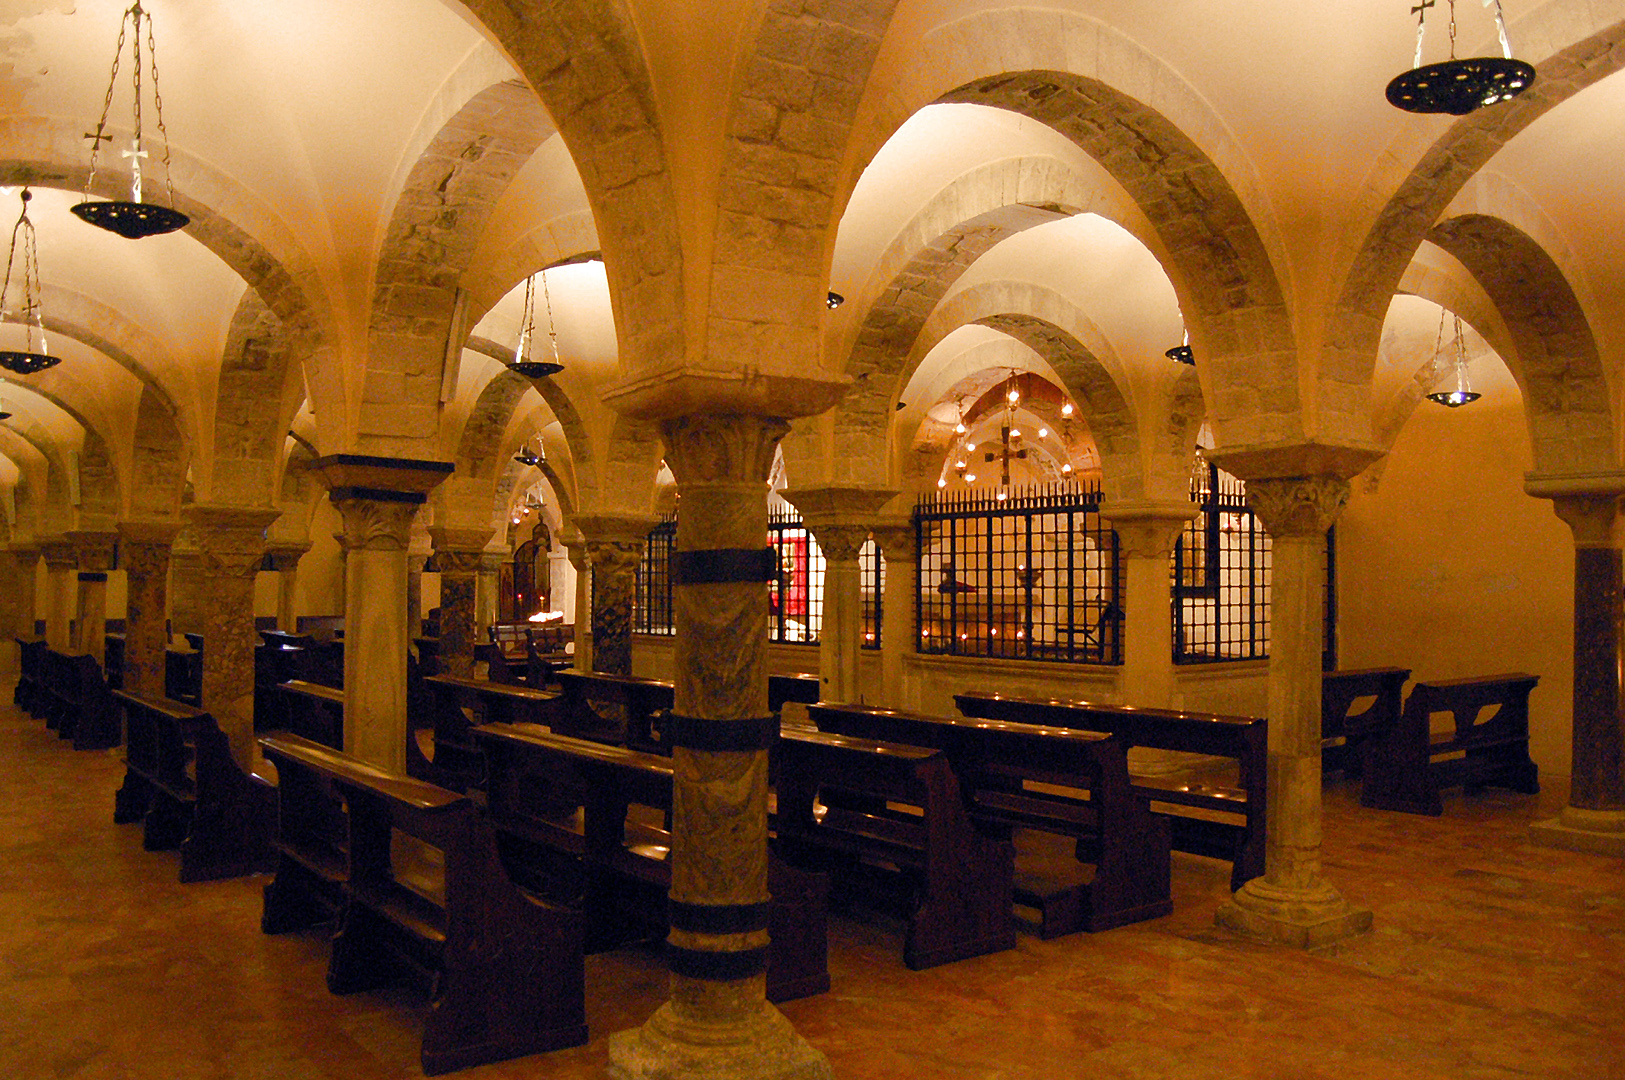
x,y
1501,29
1452,29
100,135
30,274
157,107
552,332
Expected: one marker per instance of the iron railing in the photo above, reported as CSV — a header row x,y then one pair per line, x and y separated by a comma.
x,y
872,573
796,593
1033,576
652,605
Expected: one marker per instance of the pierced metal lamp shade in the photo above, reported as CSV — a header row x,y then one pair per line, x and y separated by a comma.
x,y
536,369
1454,399
1458,87
27,363
131,220
1181,354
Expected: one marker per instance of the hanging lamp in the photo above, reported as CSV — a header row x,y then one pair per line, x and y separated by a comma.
x,y
524,356
1181,354
133,219
4,414
1458,86
35,354
525,457
1461,392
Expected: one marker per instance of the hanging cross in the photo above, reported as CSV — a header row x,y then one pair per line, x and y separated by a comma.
x,y
1421,9
135,154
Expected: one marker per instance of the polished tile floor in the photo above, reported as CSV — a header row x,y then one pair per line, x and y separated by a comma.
x,y
1490,959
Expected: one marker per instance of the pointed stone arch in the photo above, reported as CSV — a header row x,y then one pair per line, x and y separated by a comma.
x,y
258,392
161,459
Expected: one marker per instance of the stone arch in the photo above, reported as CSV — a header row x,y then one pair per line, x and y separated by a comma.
x,y
257,394
494,409
44,466
437,222
569,238
1172,155
100,490
1555,357
100,327
625,478
1418,198
1051,326
585,62
161,458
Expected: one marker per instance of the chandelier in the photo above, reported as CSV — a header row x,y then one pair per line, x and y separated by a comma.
x,y
133,219
34,356
524,357
1459,86
1460,392
525,457
4,414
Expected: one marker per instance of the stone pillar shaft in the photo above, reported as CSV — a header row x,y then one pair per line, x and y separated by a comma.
x,y
458,553
614,548
231,540
60,593
486,609
897,608
144,554
27,561
284,558
1146,539
1292,902
95,558
583,603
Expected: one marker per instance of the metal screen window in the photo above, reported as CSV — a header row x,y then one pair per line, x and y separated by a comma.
x,y
1035,576
1221,576
651,606
872,575
796,593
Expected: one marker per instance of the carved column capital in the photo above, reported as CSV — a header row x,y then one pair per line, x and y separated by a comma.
x,y
453,547
459,562
896,538
1592,518
26,556
1150,530
59,553
94,549
144,546
614,557
722,448
839,541
1297,506
231,538
284,555
372,523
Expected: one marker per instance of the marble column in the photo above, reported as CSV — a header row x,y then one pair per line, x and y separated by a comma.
x,y
284,556
414,593
1293,903
896,540
231,546
458,553
26,557
60,592
718,1023
485,594
144,548
575,546
94,550
839,519
614,549
377,498
1594,819
1147,534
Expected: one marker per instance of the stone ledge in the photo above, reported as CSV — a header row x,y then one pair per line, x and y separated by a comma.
x,y
1278,916
1593,832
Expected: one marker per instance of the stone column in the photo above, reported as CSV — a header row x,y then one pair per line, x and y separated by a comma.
x,y
1146,534
27,558
575,546
485,594
896,540
458,553
839,519
284,556
377,499
614,549
1293,903
1594,819
187,592
144,548
60,592
231,544
95,556
414,593
717,1023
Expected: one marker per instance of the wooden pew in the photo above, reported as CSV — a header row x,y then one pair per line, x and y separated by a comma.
x,y
275,663
841,807
181,781
499,666
458,705
505,971
564,808
31,661
623,709
113,660
1344,732
1407,764
88,714
183,674
784,688
314,712
1241,738
1010,773
58,694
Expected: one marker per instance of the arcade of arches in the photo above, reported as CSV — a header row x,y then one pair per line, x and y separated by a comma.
x,y
301,405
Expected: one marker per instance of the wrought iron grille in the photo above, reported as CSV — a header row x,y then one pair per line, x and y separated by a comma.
x,y
1035,576
872,573
651,606
796,593
1221,576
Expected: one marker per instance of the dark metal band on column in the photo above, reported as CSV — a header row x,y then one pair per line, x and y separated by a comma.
x,y
717,918
719,566
715,966
740,736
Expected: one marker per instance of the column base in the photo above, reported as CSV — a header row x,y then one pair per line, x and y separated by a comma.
x,y
1595,832
1306,918
671,1048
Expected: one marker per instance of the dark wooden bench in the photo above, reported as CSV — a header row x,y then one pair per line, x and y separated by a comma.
x,y
785,688
80,705
58,694
1408,764
183,674
313,711
566,809
501,667
30,661
1211,830
1053,780
113,660
505,971
275,662
182,783
623,709
1354,706
457,705
884,813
